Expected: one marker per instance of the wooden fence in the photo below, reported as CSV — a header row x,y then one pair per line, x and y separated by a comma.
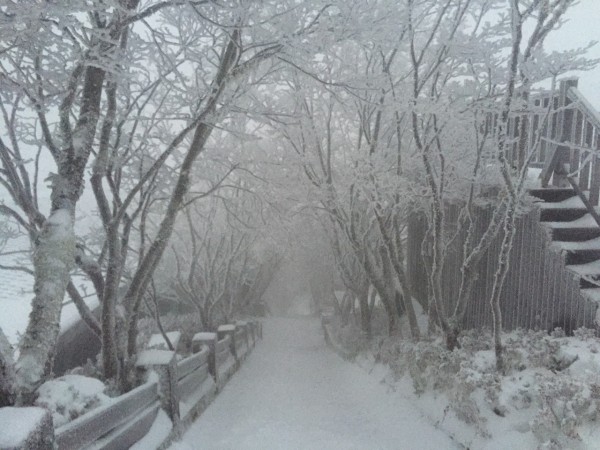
x,y
182,388
562,131
539,292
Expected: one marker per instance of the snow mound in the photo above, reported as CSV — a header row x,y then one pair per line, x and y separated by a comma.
x,y
71,396
157,341
18,424
204,336
154,357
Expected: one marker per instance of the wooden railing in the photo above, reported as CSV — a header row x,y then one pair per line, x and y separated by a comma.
x,y
183,389
571,143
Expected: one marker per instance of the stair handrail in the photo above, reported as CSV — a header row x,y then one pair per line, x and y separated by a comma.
x,y
584,106
578,145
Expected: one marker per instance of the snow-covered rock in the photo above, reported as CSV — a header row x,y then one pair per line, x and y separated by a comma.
x,y
25,428
71,396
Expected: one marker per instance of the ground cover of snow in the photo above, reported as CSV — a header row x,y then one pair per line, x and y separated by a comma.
x,y
294,393
548,399
17,424
160,429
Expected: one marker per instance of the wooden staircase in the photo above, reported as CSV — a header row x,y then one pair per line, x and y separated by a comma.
x,y
575,233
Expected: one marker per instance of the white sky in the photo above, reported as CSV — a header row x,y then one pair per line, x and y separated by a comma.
x,y
582,27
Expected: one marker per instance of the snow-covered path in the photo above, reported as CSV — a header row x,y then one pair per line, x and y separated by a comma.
x,y
294,393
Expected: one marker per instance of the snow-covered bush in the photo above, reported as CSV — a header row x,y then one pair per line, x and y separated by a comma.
x,y
71,396
550,390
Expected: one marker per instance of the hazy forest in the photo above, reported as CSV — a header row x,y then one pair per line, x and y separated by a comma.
x,y
352,175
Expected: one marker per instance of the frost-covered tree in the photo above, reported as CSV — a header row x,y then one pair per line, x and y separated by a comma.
x,y
84,84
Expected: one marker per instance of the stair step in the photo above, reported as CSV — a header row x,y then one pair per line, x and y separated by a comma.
x,y
589,273
575,234
562,214
592,293
582,229
590,282
552,194
576,257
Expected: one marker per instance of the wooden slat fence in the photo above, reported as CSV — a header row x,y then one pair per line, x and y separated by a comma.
x,y
128,418
87,429
539,292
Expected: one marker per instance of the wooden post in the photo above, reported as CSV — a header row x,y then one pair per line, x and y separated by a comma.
x,y
225,330
210,340
243,326
251,332
254,333
247,336
595,177
164,363
560,154
584,175
326,320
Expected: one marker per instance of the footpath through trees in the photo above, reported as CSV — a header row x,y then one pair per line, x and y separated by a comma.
x,y
295,393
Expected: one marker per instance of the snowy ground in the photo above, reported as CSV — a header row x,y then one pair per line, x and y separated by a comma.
x,y
294,393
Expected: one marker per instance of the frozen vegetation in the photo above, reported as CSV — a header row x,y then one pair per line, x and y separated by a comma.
x,y
170,168
549,397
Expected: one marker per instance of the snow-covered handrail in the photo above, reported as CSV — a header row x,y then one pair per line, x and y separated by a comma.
x,y
583,105
180,388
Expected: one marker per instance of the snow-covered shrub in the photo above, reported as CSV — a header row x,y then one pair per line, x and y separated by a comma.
x,y
350,337
570,402
550,390
431,366
71,396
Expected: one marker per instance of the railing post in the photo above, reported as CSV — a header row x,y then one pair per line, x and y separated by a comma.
x,y
326,320
556,161
253,331
38,421
164,363
246,329
210,340
225,330
595,177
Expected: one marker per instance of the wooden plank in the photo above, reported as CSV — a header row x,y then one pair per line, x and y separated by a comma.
x,y
595,177
539,273
575,138
130,433
584,175
590,112
524,270
221,358
518,268
84,430
223,344
188,365
546,287
190,383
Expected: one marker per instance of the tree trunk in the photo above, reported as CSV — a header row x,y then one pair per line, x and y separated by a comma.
x,y
53,260
365,312
499,277
7,373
